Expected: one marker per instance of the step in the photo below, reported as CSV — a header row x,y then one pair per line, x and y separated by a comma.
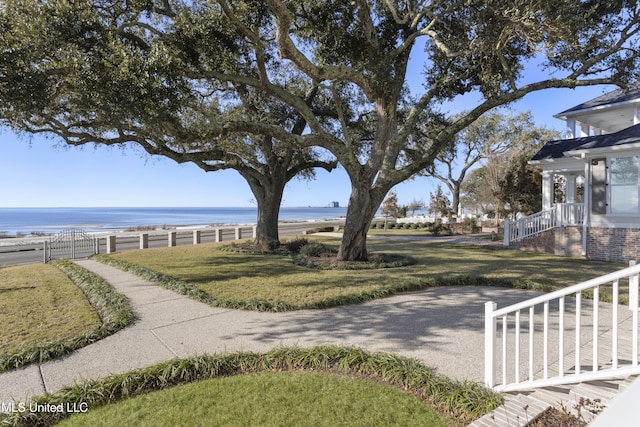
x,y
517,411
626,383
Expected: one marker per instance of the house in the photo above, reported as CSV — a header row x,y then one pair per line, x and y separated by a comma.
x,y
602,151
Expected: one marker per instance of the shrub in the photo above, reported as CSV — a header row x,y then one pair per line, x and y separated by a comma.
x,y
438,227
295,245
374,225
471,224
314,250
462,399
391,225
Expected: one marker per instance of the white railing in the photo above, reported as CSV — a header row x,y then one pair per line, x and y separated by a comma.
x,y
541,340
561,214
569,214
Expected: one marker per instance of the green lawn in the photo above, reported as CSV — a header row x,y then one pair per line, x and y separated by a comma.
x,y
322,385
48,310
269,399
274,279
39,304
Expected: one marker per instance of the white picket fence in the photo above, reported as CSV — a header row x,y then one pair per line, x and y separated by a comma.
x,y
561,214
540,342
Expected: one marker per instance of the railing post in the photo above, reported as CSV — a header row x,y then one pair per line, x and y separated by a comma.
x,y
633,289
73,243
489,344
218,233
238,233
111,244
144,240
171,238
46,252
255,231
507,232
633,306
521,229
196,237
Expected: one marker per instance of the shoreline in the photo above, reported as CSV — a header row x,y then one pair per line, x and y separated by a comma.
x,y
39,237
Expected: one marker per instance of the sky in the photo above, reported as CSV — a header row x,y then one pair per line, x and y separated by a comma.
x,y
36,171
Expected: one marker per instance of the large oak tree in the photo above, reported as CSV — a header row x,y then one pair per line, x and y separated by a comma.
x,y
107,68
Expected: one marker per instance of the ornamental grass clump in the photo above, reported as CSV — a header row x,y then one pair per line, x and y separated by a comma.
x,y
464,401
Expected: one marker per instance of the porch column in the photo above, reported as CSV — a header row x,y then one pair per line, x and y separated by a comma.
x,y
584,130
547,190
571,129
587,206
571,190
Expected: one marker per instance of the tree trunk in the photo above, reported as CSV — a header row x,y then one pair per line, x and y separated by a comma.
x,y
360,212
268,200
455,200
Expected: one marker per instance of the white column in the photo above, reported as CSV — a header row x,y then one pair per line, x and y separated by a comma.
x,y
547,190
571,128
196,237
636,115
171,239
571,189
586,200
584,130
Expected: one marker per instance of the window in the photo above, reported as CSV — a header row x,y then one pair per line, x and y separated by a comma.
x,y
624,185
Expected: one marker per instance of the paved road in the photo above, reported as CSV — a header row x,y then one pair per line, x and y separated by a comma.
x,y
30,251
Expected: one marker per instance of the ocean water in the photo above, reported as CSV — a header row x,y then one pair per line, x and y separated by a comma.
x,y
52,220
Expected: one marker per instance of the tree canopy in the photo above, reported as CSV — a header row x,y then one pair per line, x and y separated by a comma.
x,y
159,72
492,134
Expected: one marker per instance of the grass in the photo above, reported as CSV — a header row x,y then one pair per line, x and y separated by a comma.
x,y
40,304
286,386
275,399
48,310
272,282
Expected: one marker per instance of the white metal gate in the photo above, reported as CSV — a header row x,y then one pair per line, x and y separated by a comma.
x,y
71,243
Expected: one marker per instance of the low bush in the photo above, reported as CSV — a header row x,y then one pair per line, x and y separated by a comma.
x,y
325,229
465,401
294,246
315,250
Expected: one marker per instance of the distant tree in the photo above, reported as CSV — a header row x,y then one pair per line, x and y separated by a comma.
x,y
415,205
391,208
520,188
491,134
474,192
506,184
439,202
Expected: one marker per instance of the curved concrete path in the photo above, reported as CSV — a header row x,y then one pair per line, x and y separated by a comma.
x,y
442,327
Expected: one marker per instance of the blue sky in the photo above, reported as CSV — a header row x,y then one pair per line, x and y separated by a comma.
x,y
40,172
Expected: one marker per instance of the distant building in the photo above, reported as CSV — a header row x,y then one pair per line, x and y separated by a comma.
x,y
334,204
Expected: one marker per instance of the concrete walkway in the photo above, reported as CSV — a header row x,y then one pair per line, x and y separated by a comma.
x,y
442,327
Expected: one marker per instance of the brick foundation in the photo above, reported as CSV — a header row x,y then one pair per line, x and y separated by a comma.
x,y
543,242
613,244
603,244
